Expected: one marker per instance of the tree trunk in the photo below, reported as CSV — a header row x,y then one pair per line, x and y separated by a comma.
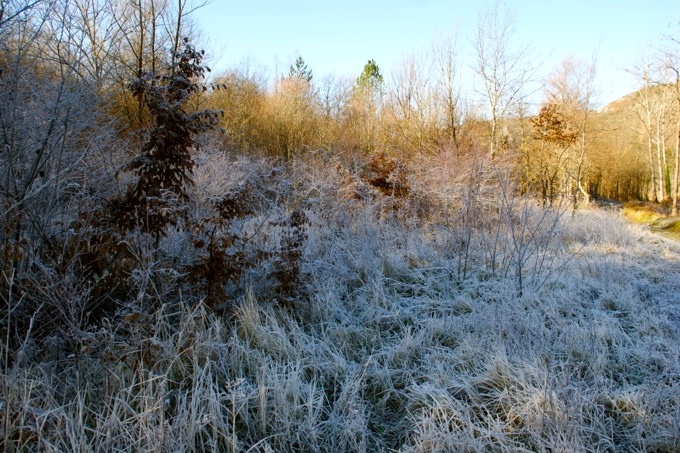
x,y
178,28
581,163
492,143
666,168
659,157
677,174
152,44
652,170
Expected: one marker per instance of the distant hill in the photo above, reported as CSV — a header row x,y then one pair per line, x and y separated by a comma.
x,y
624,154
627,102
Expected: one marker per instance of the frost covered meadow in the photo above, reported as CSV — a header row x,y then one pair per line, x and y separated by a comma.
x,y
407,333
401,263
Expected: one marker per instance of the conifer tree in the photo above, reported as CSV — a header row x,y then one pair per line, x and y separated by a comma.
x,y
299,70
370,78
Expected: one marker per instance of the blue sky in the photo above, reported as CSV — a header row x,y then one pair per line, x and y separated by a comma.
x,y
340,36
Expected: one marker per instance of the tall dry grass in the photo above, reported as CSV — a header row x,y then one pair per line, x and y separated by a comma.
x,y
490,325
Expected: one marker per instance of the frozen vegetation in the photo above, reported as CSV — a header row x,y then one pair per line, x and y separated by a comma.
x,y
327,265
487,323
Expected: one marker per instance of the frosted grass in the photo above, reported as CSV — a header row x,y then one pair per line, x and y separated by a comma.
x,y
393,351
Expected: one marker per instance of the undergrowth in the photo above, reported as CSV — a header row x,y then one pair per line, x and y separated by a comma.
x,y
490,324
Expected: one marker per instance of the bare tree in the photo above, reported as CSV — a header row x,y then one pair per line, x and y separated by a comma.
x,y
447,86
645,106
291,117
411,107
572,87
138,34
179,23
334,94
672,64
14,9
361,118
504,70
89,40
48,124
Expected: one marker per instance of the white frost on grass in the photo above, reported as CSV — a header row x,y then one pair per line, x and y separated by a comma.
x,y
394,351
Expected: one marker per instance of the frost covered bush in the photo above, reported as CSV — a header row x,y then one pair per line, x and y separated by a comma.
x,y
386,345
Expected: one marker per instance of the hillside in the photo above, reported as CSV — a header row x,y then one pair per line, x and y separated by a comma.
x,y
628,102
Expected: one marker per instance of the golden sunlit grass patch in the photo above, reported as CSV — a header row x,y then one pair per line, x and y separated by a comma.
x,y
655,217
644,213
